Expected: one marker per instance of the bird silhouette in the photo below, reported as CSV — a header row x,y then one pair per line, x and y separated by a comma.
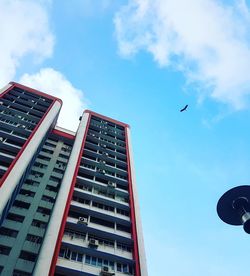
x,y
184,108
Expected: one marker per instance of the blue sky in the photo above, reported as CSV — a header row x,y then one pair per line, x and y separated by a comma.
x,y
140,62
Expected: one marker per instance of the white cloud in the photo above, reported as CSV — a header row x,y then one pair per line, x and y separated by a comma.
x,y
53,82
205,39
24,30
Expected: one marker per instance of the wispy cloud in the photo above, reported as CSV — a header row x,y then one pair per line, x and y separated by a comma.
x,y
53,82
206,40
24,30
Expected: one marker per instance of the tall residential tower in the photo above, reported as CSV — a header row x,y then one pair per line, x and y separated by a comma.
x,y
68,201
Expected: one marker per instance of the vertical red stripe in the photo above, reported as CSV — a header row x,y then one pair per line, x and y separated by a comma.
x,y
66,210
132,211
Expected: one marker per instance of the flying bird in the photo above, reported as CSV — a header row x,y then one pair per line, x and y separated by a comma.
x,y
184,108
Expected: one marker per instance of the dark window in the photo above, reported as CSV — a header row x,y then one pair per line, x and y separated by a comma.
x,y
43,211
102,222
34,239
43,157
123,228
27,193
48,199
8,232
50,144
20,273
15,217
122,212
32,182
4,250
21,204
38,224
28,256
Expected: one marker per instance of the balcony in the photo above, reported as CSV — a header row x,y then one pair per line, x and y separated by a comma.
x,y
99,210
46,204
31,247
36,231
7,241
41,217
18,211
102,228
12,224
24,198
24,265
72,240
66,266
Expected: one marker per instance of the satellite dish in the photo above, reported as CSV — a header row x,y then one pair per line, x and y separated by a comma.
x,y
234,207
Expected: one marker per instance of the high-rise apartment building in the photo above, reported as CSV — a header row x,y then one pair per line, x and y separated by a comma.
x,y
68,202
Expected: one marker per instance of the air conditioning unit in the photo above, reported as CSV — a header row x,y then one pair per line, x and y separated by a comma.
x,y
82,220
103,145
1,139
106,271
93,243
111,184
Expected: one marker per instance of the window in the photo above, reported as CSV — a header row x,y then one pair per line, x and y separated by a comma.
x,y
14,217
34,239
4,250
79,257
45,158
61,252
73,256
32,182
38,224
102,222
40,165
28,256
103,206
70,255
27,193
87,259
52,188
63,156
93,260
58,170
125,268
124,247
21,204
101,241
55,179
47,151
36,174
61,164
43,211
48,199
122,212
123,228
74,234
99,262
49,144
81,200
8,232
20,273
